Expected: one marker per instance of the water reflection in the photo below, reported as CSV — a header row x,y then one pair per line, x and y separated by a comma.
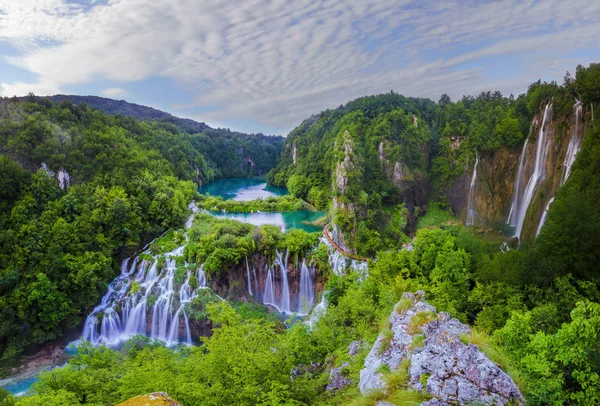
x,y
242,189
283,220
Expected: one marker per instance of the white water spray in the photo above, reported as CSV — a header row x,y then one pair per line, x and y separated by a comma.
x,y
574,142
521,200
543,219
471,206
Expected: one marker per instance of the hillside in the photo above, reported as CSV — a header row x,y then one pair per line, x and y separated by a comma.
x,y
137,111
228,153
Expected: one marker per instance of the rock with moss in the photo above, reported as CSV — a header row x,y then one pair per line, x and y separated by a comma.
x,y
442,368
151,399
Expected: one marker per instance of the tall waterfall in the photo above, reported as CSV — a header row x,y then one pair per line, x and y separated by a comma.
x,y
146,299
543,219
522,197
471,207
518,188
306,298
574,142
276,286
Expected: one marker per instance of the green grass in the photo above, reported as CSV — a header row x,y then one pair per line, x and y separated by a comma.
x,y
435,216
418,341
386,341
496,354
408,398
383,369
403,305
370,399
418,320
397,379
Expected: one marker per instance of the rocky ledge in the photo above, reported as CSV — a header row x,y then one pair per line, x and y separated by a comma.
x,y
438,365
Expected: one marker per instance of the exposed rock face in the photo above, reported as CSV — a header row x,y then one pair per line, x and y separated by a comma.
x,y
414,188
346,166
453,372
152,399
498,169
337,380
294,154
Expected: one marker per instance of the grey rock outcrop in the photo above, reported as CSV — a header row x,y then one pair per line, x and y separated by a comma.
x,y
448,370
337,380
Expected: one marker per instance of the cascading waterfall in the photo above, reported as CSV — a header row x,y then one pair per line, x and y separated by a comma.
x,y
339,263
276,291
574,142
306,298
146,299
471,208
543,219
521,200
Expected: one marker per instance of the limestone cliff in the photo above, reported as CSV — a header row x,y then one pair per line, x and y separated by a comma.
x,y
496,186
439,362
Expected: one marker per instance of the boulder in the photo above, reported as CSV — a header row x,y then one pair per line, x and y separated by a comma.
x,y
151,399
441,365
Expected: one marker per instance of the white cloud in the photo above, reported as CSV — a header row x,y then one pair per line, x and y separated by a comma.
x,y
278,61
115,92
43,88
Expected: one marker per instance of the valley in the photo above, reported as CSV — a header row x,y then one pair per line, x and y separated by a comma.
x,y
193,261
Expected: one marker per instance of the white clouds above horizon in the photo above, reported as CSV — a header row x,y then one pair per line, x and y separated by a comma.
x,y
277,62
114,92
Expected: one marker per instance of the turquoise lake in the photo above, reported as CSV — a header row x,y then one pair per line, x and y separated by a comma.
x,y
242,189
257,188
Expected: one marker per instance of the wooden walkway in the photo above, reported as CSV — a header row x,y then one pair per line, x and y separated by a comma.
x,y
338,248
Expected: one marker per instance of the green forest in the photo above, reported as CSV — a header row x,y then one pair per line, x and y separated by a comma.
x,y
380,167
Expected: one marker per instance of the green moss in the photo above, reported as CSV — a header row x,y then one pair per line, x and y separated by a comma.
x,y
418,341
386,340
403,305
418,320
397,379
495,353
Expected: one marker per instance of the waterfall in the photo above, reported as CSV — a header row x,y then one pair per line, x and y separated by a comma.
x,y
521,200
471,208
517,190
269,295
145,299
339,263
543,219
284,305
248,273
306,298
574,142
276,292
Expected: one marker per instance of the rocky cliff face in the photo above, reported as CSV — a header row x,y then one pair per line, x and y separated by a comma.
x,y
439,365
412,188
247,282
497,173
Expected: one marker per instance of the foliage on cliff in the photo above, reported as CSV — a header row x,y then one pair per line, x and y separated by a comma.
x,y
217,243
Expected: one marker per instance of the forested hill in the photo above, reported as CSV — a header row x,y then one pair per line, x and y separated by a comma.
x,y
228,153
111,106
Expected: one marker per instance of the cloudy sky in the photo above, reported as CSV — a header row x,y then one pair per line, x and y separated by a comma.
x,y
265,65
